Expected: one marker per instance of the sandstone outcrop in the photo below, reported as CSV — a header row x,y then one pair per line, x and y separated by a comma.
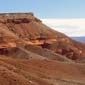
x,y
17,29
31,53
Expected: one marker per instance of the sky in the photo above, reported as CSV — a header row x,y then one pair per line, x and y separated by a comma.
x,y
71,27
46,8
58,14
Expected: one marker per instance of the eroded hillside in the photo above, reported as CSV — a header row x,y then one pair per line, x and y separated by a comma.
x,y
17,29
31,53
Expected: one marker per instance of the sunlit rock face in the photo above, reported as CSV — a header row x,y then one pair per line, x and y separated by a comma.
x,y
31,53
17,29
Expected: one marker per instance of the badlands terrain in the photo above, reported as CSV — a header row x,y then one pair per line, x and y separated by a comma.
x,y
31,53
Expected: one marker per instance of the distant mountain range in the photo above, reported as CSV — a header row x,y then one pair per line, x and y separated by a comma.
x,y
80,39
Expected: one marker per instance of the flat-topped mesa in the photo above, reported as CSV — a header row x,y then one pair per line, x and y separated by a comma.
x,y
17,17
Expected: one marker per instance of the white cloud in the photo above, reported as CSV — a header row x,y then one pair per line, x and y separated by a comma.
x,y
71,27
